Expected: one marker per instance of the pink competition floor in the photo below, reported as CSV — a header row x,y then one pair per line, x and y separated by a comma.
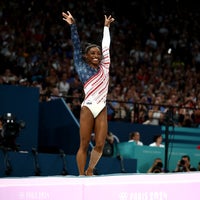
x,y
171,186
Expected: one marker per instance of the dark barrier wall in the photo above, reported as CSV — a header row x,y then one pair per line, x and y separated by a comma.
x,y
23,103
58,128
15,164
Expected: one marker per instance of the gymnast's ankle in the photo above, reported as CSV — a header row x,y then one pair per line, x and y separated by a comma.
x,y
89,172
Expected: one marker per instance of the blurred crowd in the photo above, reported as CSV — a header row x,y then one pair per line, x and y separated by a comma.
x,y
155,55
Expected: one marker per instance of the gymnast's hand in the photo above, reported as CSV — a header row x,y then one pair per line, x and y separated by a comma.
x,y
108,20
68,18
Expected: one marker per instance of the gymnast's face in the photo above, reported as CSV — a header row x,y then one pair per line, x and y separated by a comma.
x,y
93,56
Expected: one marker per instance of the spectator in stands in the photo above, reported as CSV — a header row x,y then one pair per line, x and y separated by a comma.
x,y
196,117
157,141
75,84
184,165
55,93
63,85
9,77
186,113
157,166
115,107
155,115
93,72
52,78
135,137
24,82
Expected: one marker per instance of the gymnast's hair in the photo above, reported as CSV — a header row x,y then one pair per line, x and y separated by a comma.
x,y
89,46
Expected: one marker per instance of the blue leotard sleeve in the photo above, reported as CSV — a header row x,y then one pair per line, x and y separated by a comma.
x,y
82,68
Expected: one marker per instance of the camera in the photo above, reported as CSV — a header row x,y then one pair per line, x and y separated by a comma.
x,y
159,164
157,168
10,131
182,162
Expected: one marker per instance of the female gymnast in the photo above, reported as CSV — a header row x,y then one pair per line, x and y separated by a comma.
x,y
93,72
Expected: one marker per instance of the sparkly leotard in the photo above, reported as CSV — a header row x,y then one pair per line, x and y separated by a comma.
x,y
95,82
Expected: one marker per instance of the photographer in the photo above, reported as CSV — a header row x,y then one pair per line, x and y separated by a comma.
x,y
184,165
157,166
